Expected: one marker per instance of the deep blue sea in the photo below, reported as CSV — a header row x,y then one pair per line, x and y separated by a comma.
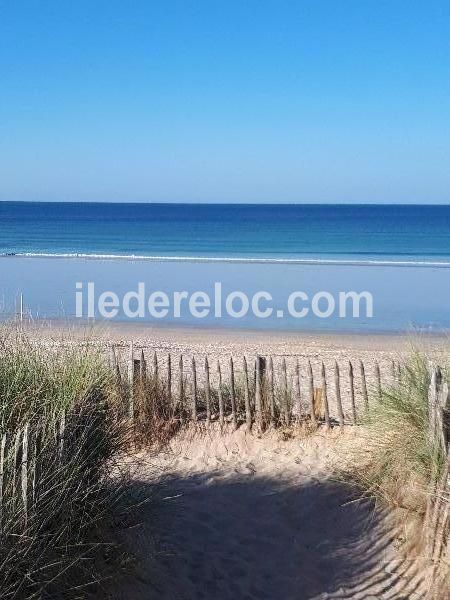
x,y
360,233
401,254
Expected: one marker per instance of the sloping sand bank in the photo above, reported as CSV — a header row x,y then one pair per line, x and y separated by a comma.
x,y
241,517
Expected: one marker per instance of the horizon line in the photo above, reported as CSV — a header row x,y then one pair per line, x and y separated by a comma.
x,y
177,203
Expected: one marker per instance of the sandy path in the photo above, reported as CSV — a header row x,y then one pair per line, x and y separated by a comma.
x,y
245,518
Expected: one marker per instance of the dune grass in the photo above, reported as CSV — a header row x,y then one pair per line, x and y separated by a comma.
x,y
402,466
400,462
59,402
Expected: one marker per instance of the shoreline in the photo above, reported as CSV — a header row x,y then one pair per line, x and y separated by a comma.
x,y
344,262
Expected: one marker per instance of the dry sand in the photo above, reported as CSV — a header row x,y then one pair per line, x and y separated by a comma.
x,y
221,344
245,518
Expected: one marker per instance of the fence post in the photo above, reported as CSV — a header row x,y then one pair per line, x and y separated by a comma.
x,y
2,475
155,366
258,399
207,392
378,379
325,397
220,394
130,363
352,391
143,368
36,462
271,392
233,393
285,398
311,394
24,469
337,383
248,410
15,464
169,378
131,382
194,383
181,385
297,404
364,384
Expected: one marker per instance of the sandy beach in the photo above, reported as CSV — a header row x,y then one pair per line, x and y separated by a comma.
x,y
384,350
220,341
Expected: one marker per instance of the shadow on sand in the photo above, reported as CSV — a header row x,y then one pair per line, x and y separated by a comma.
x,y
253,538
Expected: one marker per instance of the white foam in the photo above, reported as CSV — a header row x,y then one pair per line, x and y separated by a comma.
x,y
235,259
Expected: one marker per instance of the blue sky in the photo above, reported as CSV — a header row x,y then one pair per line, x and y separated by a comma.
x,y
230,101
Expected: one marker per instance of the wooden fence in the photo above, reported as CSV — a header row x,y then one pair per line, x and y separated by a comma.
x,y
262,394
264,391
28,465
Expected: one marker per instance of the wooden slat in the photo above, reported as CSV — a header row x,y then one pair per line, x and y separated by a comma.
x,y
352,392
337,385
155,367
194,395
248,410
285,396
378,380
24,471
271,392
131,382
258,396
207,392
364,385
143,368
35,471
131,364
17,445
310,377
233,393
169,379
220,394
325,397
181,385
298,398
2,476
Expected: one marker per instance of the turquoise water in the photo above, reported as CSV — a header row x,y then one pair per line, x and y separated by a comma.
x,y
400,254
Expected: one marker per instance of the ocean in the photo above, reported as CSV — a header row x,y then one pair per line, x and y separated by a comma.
x,y
400,254
358,233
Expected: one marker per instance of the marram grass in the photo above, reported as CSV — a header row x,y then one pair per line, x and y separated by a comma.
x,y
400,462
55,549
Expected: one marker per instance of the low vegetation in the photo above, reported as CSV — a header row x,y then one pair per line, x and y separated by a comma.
x,y
59,442
396,438
405,468
65,423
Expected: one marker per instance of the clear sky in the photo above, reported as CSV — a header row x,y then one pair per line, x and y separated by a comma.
x,y
225,101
